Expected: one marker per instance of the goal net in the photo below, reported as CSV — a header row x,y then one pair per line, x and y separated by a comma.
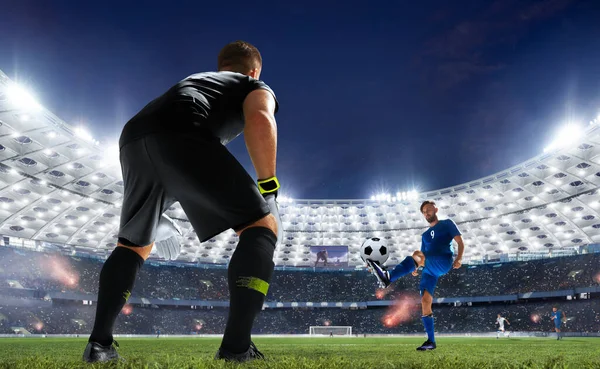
x,y
330,330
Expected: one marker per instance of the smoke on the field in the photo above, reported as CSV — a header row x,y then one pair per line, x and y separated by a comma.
x,y
405,308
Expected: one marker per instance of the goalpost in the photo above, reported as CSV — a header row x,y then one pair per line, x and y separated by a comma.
x,y
330,330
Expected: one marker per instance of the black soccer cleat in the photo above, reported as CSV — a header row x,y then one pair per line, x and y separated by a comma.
x,y
383,276
96,353
251,354
427,346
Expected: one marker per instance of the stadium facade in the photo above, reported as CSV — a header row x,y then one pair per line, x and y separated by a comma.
x,y
62,190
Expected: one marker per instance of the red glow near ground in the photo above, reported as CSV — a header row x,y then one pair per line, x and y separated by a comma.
x,y
38,326
380,293
404,309
127,309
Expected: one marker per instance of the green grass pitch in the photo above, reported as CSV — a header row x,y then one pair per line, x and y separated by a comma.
x,y
291,353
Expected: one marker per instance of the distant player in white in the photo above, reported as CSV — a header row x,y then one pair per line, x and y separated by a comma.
x,y
500,321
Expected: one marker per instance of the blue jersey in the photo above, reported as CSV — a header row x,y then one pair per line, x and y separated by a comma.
x,y
437,240
557,316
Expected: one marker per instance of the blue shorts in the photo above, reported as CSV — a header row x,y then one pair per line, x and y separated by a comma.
x,y
557,323
435,267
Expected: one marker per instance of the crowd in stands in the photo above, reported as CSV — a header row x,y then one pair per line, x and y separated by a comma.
x,y
23,270
583,316
47,272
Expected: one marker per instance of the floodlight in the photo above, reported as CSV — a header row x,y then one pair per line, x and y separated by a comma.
x,y
567,135
21,98
83,133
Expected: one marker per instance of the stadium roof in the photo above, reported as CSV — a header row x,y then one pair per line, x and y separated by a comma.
x,y
61,189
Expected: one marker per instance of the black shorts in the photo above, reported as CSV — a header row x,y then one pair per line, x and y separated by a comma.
x,y
213,188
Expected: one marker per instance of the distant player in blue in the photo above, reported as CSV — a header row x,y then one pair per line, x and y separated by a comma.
x,y
557,317
436,256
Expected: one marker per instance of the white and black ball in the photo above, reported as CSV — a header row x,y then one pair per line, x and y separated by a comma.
x,y
374,249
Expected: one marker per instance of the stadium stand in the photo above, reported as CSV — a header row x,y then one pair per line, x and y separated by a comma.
x,y
192,300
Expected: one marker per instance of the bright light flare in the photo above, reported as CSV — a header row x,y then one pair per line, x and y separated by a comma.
x,y
21,98
83,134
567,135
404,309
284,199
400,196
536,318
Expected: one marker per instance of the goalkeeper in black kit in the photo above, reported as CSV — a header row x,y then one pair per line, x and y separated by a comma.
x,y
174,150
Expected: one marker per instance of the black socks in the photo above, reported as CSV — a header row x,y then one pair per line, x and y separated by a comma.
x,y
249,274
116,282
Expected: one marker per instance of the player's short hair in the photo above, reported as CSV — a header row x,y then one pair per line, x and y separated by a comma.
x,y
426,202
239,56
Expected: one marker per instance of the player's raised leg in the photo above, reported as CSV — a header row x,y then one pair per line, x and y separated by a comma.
x,y
406,266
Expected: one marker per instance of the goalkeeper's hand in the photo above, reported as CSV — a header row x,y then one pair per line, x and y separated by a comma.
x,y
269,188
167,238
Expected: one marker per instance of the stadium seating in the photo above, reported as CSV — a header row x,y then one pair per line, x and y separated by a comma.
x,y
77,319
32,270
29,278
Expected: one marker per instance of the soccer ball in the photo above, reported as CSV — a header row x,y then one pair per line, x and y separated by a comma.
x,y
373,249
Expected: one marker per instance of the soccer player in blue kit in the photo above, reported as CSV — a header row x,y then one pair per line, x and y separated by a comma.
x,y
437,258
557,317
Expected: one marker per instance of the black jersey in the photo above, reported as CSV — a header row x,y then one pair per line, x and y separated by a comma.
x,y
208,103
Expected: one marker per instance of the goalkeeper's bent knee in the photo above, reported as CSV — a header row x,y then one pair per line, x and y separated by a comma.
x,y
268,221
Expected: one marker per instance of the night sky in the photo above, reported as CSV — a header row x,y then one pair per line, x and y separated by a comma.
x,y
379,95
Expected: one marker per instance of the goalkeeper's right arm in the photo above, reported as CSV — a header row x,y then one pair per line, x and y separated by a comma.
x,y
260,132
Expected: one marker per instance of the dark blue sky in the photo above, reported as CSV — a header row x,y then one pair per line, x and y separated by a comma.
x,y
380,96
